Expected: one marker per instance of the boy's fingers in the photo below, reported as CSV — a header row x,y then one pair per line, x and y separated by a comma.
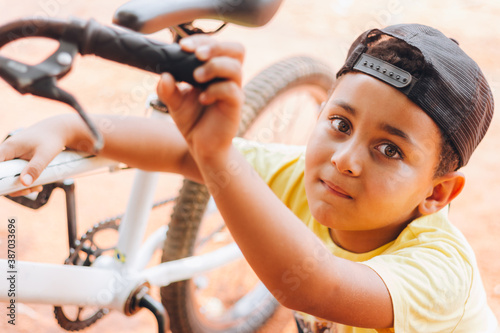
x,y
190,43
226,49
34,168
168,92
181,100
220,67
27,191
30,174
6,152
206,47
228,92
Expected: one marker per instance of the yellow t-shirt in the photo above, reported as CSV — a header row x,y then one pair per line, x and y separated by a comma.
x,y
430,269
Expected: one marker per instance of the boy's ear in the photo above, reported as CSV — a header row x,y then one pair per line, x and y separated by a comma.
x,y
445,189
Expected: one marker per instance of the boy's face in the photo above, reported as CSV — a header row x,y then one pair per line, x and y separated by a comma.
x,y
371,158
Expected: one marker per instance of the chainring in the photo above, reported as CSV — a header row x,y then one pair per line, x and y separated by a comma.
x,y
84,253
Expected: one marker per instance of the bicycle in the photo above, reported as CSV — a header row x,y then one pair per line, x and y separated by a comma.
x,y
115,277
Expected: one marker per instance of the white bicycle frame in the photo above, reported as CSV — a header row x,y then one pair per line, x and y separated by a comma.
x,y
109,282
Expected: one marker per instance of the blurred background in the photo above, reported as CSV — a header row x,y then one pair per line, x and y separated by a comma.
x,y
320,28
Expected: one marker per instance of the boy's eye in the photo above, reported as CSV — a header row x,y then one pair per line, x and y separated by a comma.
x,y
341,125
389,151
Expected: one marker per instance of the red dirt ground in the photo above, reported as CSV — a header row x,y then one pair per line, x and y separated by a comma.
x,y
322,28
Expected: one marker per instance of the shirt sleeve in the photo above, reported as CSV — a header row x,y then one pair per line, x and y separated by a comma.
x,y
268,159
427,295
434,282
282,169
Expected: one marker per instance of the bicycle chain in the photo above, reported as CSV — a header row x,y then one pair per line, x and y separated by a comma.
x,y
91,251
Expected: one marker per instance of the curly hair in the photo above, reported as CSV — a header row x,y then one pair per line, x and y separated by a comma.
x,y
409,58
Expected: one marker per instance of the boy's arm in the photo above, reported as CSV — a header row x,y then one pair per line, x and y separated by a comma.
x,y
149,144
290,260
144,143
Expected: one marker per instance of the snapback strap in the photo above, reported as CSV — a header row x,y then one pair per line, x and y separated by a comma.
x,y
386,72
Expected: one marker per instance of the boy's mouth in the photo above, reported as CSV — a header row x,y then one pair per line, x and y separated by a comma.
x,y
334,189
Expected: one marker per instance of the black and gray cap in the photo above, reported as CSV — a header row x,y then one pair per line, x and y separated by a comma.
x,y
455,94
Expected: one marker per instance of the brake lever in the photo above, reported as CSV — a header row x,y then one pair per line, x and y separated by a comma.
x,y
22,77
41,80
46,87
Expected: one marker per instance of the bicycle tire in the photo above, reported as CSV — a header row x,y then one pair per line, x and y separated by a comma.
x,y
293,74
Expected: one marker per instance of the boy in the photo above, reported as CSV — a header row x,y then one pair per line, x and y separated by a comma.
x,y
352,233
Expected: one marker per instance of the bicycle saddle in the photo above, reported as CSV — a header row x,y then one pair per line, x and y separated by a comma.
x,y
148,16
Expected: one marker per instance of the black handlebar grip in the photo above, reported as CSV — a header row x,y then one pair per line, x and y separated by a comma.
x,y
136,50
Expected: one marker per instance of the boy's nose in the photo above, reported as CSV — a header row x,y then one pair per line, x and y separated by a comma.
x,y
347,159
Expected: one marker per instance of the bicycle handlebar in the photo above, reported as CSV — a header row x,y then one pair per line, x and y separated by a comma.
x,y
138,51
91,37
88,37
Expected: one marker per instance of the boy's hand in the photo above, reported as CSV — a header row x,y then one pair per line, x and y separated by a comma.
x,y
207,119
38,145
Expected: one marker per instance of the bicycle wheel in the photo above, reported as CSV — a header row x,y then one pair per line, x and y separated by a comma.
x,y
231,298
